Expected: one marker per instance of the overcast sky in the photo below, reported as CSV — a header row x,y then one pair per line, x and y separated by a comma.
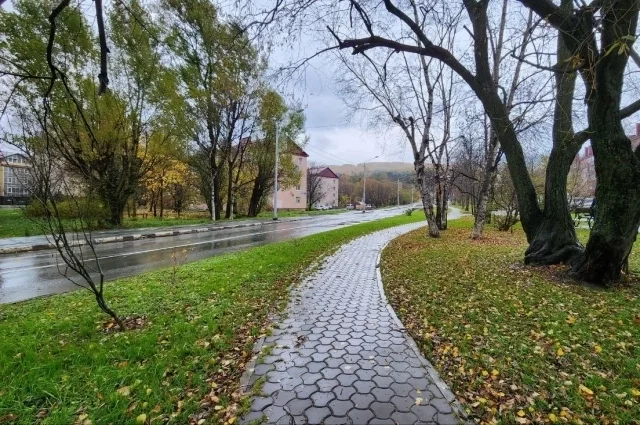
x,y
334,136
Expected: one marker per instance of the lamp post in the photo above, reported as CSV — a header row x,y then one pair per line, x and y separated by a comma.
x,y
275,181
364,183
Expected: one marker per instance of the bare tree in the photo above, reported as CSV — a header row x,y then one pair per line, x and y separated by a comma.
x,y
315,189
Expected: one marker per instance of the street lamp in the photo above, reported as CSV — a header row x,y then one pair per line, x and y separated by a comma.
x,y
275,181
364,183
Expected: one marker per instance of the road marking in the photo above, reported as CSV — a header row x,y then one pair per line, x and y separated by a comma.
x,y
21,269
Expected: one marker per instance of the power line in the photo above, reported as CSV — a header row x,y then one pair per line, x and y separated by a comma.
x,y
329,125
328,155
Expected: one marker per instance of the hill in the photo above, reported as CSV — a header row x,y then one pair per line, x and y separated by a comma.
x,y
372,167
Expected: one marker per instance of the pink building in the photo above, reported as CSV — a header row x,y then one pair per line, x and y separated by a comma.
x,y
328,188
295,197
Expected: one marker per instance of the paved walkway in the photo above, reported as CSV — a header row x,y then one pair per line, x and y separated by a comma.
x,y
342,357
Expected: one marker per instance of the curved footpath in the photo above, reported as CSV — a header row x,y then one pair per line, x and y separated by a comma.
x,y
341,356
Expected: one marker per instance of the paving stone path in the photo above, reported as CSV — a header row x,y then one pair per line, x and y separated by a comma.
x,y
341,355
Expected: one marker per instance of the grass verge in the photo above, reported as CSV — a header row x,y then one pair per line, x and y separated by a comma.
x,y
517,344
58,366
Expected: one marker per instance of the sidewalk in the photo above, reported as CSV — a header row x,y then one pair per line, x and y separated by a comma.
x,y
37,243
341,356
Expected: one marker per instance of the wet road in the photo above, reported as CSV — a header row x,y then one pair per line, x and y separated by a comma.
x,y
30,275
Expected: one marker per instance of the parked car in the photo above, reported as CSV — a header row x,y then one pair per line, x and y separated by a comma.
x,y
350,207
322,207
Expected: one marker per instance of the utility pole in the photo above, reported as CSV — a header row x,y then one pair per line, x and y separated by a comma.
x,y
213,186
364,183
275,181
398,191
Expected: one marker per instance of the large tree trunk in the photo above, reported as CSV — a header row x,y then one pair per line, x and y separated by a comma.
x,y
556,240
617,167
427,200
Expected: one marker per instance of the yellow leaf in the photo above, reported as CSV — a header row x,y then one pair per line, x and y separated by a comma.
x,y
485,373
231,420
553,418
218,407
124,391
597,349
142,418
571,319
520,413
494,372
585,389
560,353
635,392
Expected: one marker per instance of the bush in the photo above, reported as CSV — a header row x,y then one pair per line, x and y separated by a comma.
x,y
74,209
408,212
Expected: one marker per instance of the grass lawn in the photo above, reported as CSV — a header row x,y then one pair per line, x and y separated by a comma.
x,y
13,222
517,344
59,366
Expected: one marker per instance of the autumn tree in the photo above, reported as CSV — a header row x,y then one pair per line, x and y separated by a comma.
x,y
220,73
275,120
315,190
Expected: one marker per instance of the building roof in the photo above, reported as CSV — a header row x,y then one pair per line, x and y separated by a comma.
x,y
328,173
297,150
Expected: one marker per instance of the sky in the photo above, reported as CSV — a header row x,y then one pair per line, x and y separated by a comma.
x,y
334,137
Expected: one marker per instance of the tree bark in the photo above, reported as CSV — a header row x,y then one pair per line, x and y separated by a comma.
x,y
556,240
427,200
488,179
617,167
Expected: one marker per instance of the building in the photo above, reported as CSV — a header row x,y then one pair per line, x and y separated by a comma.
x,y
295,197
15,178
328,188
584,170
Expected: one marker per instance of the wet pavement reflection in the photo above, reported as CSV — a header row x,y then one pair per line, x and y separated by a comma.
x,y
30,275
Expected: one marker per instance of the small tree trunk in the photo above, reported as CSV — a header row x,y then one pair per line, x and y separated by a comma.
x,y
488,180
227,213
161,202
427,201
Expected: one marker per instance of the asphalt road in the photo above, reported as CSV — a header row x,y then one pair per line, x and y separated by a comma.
x,y
35,274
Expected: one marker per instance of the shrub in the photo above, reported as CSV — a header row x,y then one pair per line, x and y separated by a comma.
x,y
71,209
408,211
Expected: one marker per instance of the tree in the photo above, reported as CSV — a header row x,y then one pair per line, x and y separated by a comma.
x,y
601,62
315,190
275,120
39,103
218,68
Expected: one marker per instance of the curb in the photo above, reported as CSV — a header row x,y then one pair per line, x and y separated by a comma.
x,y
433,373
158,234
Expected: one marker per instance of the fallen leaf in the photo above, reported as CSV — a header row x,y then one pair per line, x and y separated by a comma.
x,y
142,418
585,390
124,391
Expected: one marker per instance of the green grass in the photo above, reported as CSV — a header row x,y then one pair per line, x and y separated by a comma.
x,y
294,213
13,223
57,363
518,344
